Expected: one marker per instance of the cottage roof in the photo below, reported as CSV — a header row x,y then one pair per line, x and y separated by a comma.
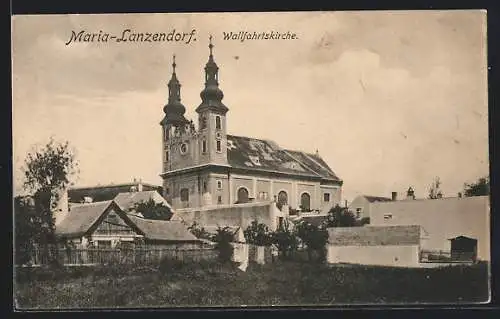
x,y
127,200
373,199
267,156
374,235
81,217
162,229
106,192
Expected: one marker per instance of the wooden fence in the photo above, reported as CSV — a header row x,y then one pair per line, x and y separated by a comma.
x,y
103,256
437,256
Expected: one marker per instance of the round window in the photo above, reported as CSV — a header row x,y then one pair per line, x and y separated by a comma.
x,y
184,148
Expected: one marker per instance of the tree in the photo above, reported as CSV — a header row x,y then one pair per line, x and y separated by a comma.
x,y
435,190
340,217
257,234
199,231
223,239
285,240
480,188
153,210
47,172
313,237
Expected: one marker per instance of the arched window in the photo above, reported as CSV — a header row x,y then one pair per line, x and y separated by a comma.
x,y
305,202
219,146
217,123
242,195
282,198
203,122
204,146
185,195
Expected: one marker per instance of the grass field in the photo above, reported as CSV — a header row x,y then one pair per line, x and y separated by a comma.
x,y
279,284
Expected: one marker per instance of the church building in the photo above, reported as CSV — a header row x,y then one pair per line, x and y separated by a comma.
x,y
203,165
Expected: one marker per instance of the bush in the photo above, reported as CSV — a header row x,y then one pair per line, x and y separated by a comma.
x,y
168,265
257,234
223,239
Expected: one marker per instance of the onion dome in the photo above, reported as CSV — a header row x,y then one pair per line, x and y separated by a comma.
x,y
212,95
174,110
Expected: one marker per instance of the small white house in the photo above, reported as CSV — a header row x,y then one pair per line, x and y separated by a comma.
x,y
397,246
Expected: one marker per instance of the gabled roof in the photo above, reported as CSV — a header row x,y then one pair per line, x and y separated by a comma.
x,y
375,235
373,199
105,192
81,217
127,200
236,231
162,230
261,155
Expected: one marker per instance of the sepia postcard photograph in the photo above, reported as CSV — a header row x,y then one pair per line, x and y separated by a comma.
x,y
257,159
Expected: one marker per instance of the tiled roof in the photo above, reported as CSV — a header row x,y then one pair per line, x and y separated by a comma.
x,y
262,155
128,200
373,199
162,229
374,235
105,192
80,218
315,220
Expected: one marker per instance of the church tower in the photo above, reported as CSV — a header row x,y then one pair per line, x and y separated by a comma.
x,y
212,116
174,124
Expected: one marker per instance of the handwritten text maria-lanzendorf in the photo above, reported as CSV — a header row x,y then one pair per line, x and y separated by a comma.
x,y
131,36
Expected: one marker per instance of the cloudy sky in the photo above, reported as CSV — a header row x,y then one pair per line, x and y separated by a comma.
x,y
390,99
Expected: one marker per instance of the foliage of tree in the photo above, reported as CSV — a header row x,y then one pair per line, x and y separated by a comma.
x,y
363,221
153,210
313,237
479,188
223,239
257,234
340,217
285,240
47,171
199,231
435,189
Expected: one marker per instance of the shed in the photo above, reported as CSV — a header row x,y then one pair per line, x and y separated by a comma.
x,y
372,245
463,248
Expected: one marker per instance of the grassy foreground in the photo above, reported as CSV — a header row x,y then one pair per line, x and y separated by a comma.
x,y
279,284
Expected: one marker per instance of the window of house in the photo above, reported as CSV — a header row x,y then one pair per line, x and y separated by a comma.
x,y
359,210
184,148
167,190
204,146
217,123
166,156
263,195
218,146
184,195
219,184
219,199
326,197
104,244
387,216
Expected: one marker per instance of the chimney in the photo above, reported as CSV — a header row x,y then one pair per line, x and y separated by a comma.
x,y
410,194
62,207
394,196
139,185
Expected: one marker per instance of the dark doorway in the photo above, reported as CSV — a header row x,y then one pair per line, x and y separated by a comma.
x,y
305,202
242,196
463,248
